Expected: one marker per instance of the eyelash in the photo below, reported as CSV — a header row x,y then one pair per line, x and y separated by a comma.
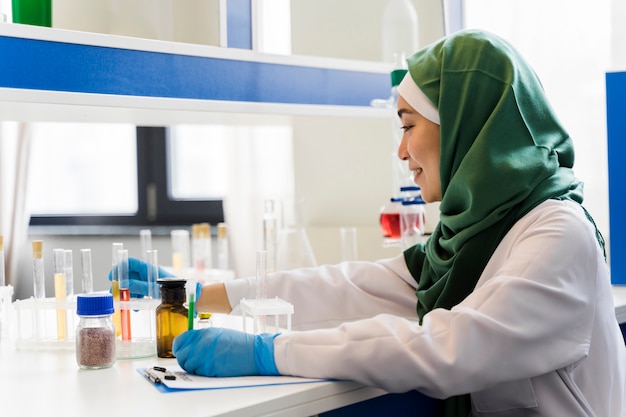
x,y
406,128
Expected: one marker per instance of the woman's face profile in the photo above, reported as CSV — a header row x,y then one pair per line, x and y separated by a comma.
x,y
421,148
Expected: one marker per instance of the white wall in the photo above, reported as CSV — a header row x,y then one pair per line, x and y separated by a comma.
x,y
342,165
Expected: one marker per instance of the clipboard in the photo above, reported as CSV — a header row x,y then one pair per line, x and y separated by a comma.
x,y
175,379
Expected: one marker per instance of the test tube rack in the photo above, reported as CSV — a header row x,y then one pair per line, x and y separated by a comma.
x,y
36,326
256,309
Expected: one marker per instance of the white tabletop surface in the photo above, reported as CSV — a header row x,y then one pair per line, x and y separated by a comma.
x,y
49,383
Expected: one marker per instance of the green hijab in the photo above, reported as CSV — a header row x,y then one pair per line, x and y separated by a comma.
x,y
503,152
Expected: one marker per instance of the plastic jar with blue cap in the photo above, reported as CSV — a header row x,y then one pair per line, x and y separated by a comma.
x,y
95,333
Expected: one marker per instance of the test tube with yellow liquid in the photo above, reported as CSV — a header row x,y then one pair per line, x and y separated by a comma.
x,y
180,250
60,292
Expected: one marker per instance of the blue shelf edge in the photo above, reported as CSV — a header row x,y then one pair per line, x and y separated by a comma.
x,y
616,149
47,65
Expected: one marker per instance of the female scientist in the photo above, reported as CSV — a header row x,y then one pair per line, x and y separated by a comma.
x,y
506,310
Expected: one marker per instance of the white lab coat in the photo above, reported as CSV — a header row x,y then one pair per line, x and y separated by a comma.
x,y
537,337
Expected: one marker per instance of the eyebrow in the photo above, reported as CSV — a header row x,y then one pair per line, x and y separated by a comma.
x,y
404,111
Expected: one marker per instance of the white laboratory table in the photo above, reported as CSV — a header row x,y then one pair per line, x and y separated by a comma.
x,y
49,383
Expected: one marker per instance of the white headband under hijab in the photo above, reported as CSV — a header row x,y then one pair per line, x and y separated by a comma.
x,y
417,99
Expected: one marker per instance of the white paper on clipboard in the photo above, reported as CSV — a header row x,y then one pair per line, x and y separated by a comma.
x,y
186,380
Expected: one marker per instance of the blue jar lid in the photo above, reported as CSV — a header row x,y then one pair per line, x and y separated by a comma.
x,y
94,304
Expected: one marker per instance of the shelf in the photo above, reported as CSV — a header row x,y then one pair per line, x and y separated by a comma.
x,y
52,74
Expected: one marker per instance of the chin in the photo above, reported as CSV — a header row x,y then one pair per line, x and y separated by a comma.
x,y
429,198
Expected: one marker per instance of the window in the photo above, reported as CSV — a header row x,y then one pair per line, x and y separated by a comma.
x,y
93,174
569,46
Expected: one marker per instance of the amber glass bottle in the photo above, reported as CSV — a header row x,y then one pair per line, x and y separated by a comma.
x,y
171,315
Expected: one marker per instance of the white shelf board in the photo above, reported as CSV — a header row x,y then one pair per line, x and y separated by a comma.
x,y
18,103
45,106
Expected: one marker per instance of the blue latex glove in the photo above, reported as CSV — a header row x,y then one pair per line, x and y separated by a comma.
x,y
138,274
220,352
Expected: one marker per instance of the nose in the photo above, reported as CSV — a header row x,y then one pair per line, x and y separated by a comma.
x,y
403,152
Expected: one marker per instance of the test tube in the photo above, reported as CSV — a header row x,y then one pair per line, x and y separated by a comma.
x,y
124,285
145,237
201,246
270,235
180,249
222,246
60,294
348,243
153,273
205,247
115,286
68,268
2,278
261,289
39,287
85,260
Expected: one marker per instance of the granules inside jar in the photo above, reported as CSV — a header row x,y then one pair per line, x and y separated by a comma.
x,y
95,333
96,347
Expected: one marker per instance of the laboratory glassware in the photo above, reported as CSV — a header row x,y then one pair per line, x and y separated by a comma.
x,y
201,246
60,289
223,260
124,286
270,234
180,249
145,238
294,247
85,260
171,314
115,286
68,271
204,320
95,333
39,287
349,247
153,273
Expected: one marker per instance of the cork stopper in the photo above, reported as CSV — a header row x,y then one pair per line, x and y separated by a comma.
x,y
205,230
1,243
37,249
221,230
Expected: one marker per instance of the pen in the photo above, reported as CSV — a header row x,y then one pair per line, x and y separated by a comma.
x,y
151,376
168,375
